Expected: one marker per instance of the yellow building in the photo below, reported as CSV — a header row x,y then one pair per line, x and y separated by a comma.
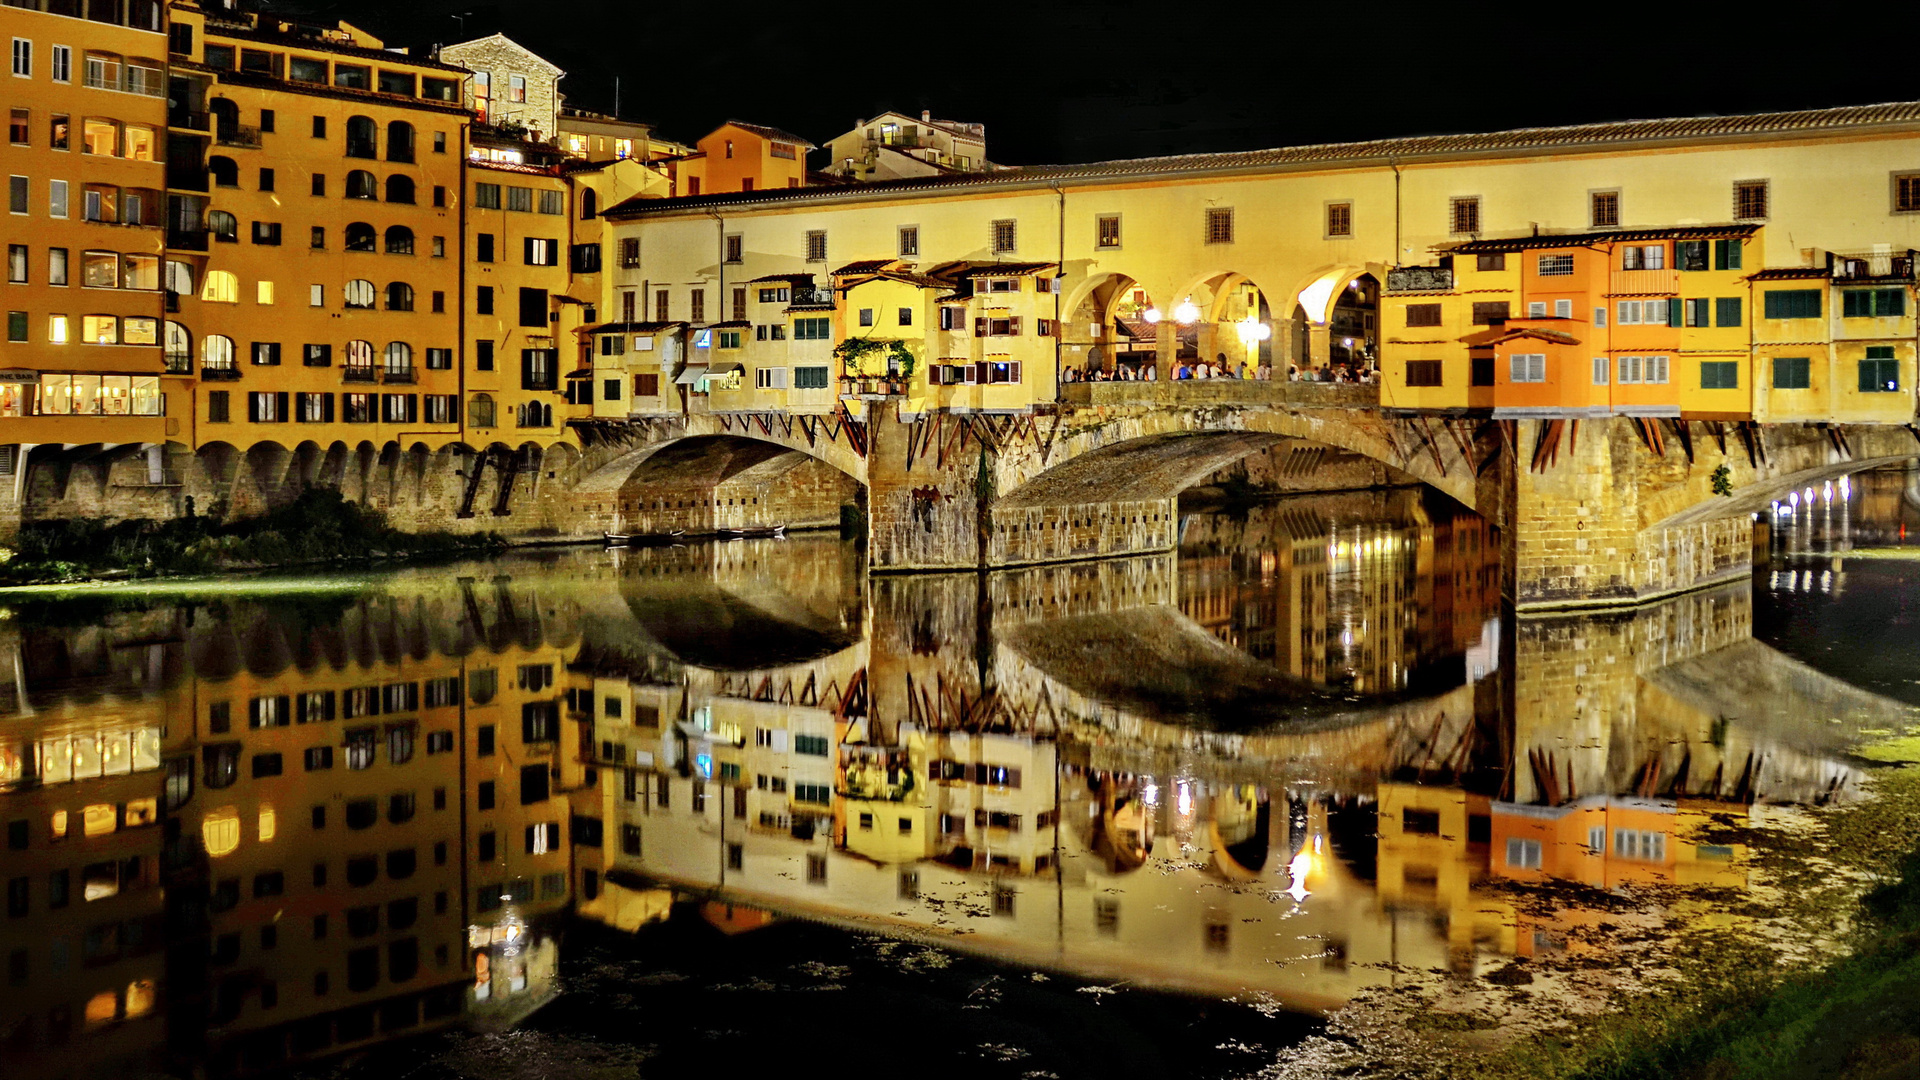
x,y
314,244
738,156
81,361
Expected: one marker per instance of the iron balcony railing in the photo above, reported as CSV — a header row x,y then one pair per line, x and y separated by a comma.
x,y
358,374
1872,265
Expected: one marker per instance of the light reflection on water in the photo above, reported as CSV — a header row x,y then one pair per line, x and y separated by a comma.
x,y
1300,756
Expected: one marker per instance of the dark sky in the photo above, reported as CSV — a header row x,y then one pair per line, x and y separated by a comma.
x,y
1058,82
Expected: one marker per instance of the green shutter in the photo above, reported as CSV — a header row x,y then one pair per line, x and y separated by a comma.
x,y
1869,376
1728,313
1675,312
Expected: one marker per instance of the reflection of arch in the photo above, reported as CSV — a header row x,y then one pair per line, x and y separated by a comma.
x,y
1240,847
1120,831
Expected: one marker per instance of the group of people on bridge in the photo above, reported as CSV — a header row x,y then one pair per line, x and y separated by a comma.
x,y
1186,370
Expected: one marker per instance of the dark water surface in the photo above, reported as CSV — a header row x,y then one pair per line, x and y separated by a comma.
x,y
654,812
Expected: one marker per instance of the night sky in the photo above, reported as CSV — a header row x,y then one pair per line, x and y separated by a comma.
x,y
1061,82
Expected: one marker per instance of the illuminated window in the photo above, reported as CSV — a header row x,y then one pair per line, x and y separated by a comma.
x,y
99,819
140,997
220,832
103,1007
142,812
59,824
267,824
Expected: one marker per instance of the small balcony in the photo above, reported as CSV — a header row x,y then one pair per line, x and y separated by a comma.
x,y
219,373
1862,266
359,374
239,135
178,364
873,385
189,119
1662,282
397,375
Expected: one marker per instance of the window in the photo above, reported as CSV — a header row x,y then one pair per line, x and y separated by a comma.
x,y
629,253
1601,368
520,199
1696,308
400,190
486,196
533,307
1906,193
18,127
1523,854
1463,215
553,202
1423,373
1604,209
1792,304
697,306
1219,225
1489,313
1726,254
1641,369
1423,314
1749,200
1719,375
17,194
1339,219
17,264
62,64
539,251
816,247
1643,257
819,329
483,301
1496,261
266,353
1527,368
1690,255
1554,265
1873,303
1792,373
1004,236
267,233
1879,372
22,57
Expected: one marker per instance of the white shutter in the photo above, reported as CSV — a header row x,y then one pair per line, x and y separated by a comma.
x,y
1517,368
1563,309
972,372
1655,312
1014,372
1536,309
1656,369
779,741
1600,316
1629,312
1537,367
1600,367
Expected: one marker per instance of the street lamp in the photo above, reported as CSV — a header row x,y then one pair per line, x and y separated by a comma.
x,y
1187,312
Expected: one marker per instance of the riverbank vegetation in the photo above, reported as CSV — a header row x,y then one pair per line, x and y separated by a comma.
x,y
318,527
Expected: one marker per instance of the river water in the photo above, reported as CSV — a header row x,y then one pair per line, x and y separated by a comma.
x,y
587,813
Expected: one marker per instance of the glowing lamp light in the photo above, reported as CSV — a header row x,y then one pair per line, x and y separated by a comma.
x,y
1846,486
1827,491
1152,315
1187,312
1793,498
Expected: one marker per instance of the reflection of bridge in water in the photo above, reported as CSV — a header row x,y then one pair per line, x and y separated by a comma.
x,y
1067,767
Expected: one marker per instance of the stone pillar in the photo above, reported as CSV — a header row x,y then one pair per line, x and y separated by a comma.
x,y
1166,344
925,515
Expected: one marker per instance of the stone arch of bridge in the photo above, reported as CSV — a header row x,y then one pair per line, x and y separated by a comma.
x,y
1156,454
831,449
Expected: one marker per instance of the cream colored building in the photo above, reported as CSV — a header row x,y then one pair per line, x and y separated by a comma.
x,y
893,146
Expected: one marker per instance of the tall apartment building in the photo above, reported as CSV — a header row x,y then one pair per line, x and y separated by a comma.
x,y
314,245
86,101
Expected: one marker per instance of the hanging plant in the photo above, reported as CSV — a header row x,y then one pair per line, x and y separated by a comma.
x,y
1723,481
854,352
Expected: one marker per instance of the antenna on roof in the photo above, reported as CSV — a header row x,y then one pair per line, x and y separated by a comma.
x,y
616,97
461,18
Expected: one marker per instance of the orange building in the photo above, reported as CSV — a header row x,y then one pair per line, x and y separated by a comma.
x,y
738,156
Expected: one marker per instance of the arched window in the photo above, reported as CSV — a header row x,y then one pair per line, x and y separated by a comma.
x,y
399,296
360,237
180,277
358,293
399,360
534,414
224,226
226,117
221,287
480,411
179,348
400,189
399,240
216,353
225,172
362,185
589,204
362,137
360,355
400,141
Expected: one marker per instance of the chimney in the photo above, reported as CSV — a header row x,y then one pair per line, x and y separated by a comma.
x,y
926,116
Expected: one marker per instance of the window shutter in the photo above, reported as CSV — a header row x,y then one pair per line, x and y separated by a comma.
x,y
980,327
1869,376
280,405
972,373
933,374
1013,326
1013,371
253,408
1673,314
1658,364
1599,371
326,408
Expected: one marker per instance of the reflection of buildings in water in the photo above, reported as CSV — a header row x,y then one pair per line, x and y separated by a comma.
x,y
306,824
1359,590
1876,508
380,838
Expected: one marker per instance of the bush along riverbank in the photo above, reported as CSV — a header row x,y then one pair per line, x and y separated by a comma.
x,y
318,527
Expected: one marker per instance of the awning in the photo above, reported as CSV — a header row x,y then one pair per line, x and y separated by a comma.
x,y
691,375
582,373
727,369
